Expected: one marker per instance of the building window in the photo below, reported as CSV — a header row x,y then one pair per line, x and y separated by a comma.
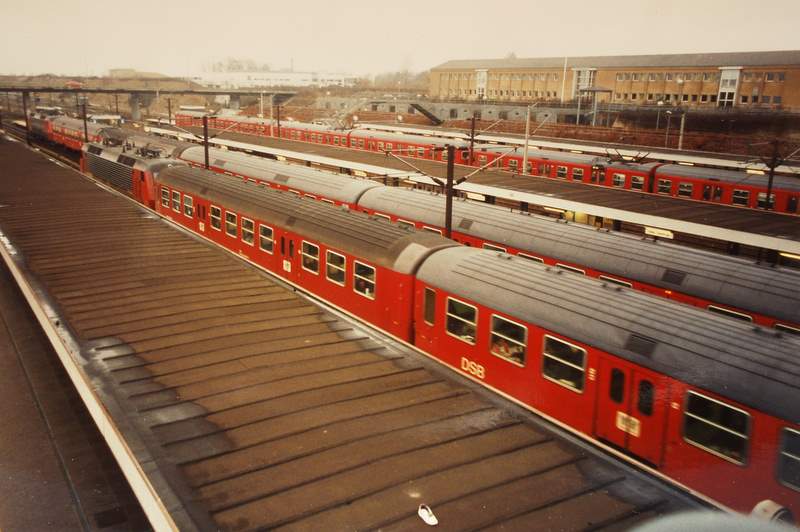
x,y
509,340
164,197
230,224
364,280
335,268
619,76
765,99
664,186
248,231
741,197
744,98
704,98
265,238
176,201
216,218
777,100
651,77
716,427
310,257
563,363
668,76
770,76
461,320
618,180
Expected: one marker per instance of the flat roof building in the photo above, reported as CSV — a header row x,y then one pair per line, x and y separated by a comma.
x,y
769,80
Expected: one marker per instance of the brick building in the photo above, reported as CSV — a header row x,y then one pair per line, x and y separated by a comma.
x,y
764,80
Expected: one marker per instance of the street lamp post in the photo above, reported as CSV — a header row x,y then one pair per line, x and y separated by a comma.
x,y
666,135
658,115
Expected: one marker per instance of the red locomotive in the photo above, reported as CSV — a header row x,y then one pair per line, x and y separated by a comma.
x,y
705,401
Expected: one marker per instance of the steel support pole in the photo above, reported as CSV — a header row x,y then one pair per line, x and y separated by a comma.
x,y
279,121
205,138
472,141
527,139
680,137
169,111
578,117
27,118
116,103
271,111
773,163
85,125
448,210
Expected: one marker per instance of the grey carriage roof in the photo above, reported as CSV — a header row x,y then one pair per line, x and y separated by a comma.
x,y
138,158
733,359
406,139
729,176
379,243
76,124
306,179
721,278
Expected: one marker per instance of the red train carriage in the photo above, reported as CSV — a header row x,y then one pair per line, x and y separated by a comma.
x,y
742,289
363,268
708,402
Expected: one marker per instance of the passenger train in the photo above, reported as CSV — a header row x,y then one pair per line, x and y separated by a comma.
x,y
728,187
706,401
736,287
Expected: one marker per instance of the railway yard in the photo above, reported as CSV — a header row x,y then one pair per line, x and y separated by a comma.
x,y
275,331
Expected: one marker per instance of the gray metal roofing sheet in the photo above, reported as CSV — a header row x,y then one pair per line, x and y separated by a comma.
x,y
748,365
720,278
311,180
380,243
780,57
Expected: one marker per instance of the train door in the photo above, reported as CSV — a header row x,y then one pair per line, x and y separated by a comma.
x,y
288,252
631,409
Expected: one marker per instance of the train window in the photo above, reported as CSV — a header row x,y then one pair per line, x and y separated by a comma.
x,y
430,306
789,462
569,269
616,281
730,313
494,248
716,427
512,163
431,230
364,280
230,224
664,186
787,328
336,140
577,174
389,146
685,189
216,218
563,363
461,320
646,397
248,231
616,387
637,182
380,146
176,201
420,152
188,206
406,224
762,200
509,340
531,257
561,171
741,197
310,257
335,267
618,180
164,197
266,241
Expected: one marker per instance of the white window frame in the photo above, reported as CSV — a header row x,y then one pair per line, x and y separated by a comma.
x,y
252,231
787,328
218,218
524,344
741,316
357,276
165,197
783,452
342,268
303,255
447,316
681,186
271,239
190,206
708,421
562,361
235,223
492,247
406,223
176,204
570,269
614,178
431,229
385,217
531,257
616,281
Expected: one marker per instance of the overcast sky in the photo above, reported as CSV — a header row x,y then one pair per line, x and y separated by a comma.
x,y
179,37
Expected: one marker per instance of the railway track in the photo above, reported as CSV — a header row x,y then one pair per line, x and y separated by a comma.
x,y
233,402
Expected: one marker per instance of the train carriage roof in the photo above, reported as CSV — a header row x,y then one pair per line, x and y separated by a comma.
x,y
138,158
382,136
377,242
721,278
728,176
747,364
313,181
77,125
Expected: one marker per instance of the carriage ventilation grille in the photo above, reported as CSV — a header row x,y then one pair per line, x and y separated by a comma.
x,y
117,174
673,277
641,345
